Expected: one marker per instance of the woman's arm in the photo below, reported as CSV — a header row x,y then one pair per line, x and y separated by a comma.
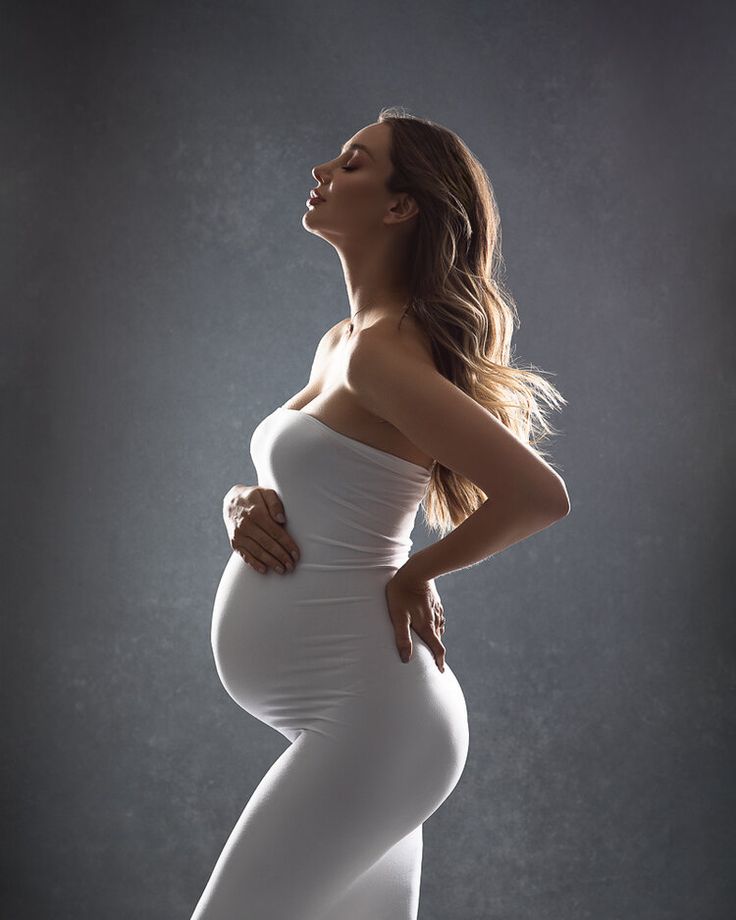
x,y
497,524
525,495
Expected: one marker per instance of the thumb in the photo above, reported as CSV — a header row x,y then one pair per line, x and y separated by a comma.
x,y
274,505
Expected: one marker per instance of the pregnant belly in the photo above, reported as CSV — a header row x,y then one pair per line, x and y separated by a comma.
x,y
315,649
291,649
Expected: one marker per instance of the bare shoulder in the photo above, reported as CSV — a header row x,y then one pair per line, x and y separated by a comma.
x,y
333,335
392,376
325,348
387,357
408,339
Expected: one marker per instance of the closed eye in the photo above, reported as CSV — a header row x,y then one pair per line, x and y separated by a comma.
x,y
348,168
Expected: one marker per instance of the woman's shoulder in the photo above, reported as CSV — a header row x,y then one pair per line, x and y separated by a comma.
x,y
408,336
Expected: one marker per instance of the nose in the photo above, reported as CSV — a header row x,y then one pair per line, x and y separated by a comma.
x,y
317,173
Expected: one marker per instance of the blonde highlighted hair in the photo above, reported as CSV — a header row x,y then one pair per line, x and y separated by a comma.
x,y
458,297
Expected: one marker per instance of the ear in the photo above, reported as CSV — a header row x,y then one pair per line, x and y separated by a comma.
x,y
404,207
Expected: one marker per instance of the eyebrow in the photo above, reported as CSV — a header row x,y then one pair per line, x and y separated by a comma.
x,y
357,147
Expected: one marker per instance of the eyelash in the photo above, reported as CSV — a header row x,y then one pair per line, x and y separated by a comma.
x,y
349,168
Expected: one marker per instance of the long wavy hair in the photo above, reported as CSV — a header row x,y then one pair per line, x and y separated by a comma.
x,y
458,297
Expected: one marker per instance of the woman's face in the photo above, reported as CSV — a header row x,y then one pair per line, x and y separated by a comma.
x,y
354,188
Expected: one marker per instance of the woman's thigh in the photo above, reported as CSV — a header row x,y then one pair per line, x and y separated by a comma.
x,y
389,889
325,813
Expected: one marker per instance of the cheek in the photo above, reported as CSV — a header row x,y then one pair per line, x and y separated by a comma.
x,y
363,196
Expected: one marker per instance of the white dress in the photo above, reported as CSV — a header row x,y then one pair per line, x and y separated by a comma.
x,y
334,829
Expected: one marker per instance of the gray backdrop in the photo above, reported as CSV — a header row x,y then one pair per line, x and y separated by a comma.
x,y
161,297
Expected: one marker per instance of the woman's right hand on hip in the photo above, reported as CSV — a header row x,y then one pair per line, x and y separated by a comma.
x,y
251,516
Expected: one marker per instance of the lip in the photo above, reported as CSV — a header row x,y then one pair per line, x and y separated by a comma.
x,y
315,195
314,201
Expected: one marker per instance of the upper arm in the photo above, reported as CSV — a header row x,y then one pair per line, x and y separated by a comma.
x,y
405,389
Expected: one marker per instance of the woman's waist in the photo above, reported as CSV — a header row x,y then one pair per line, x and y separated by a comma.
x,y
320,551
313,580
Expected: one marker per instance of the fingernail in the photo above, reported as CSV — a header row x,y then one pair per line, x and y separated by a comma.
x,y
295,554
280,569
280,518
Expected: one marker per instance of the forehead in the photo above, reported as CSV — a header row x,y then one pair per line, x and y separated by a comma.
x,y
375,137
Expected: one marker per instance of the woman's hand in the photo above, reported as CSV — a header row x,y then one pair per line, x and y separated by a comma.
x,y
416,604
251,516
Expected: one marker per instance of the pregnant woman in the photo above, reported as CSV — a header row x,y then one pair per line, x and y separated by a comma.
x,y
324,627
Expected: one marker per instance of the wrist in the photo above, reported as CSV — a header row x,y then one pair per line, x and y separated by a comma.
x,y
414,569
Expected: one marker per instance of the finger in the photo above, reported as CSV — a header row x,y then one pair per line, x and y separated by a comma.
x,y
269,500
438,649
402,634
248,557
251,560
275,554
242,541
280,543
274,505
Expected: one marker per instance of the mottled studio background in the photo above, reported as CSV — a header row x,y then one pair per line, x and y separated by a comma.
x,y
160,296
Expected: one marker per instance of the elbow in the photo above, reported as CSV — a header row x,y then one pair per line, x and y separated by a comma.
x,y
560,503
545,505
555,502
